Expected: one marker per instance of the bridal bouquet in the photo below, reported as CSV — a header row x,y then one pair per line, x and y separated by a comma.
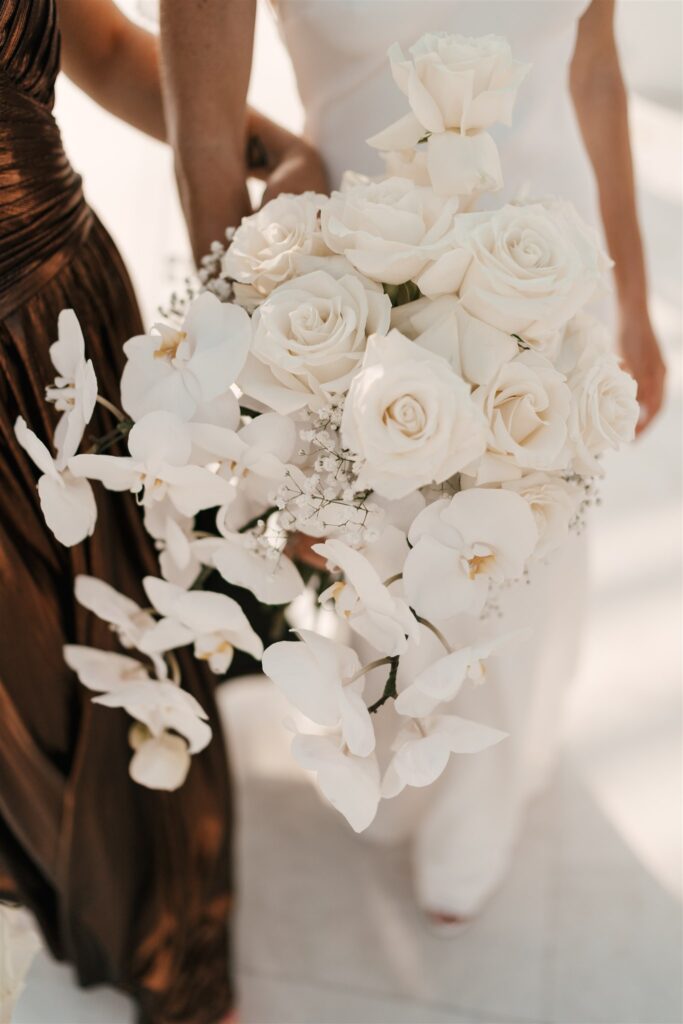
x,y
412,383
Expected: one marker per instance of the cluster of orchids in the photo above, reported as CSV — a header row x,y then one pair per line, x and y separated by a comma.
x,y
411,382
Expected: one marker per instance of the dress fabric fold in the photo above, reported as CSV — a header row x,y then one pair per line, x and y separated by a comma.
x,y
131,885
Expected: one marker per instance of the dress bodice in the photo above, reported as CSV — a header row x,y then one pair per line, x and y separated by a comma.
x,y
29,47
43,215
338,49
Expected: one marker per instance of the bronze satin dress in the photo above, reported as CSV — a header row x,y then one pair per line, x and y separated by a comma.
x,y
128,884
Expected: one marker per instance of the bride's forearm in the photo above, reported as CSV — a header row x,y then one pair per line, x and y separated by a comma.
x,y
601,106
206,62
212,186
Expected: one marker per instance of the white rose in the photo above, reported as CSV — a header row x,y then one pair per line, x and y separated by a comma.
x,y
266,246
453,82
309,337
585,339
527,405
533,267
605,410
410,418
407,163
554,503
475,350
394,231
457,88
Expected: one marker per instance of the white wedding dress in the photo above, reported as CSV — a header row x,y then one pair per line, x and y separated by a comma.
x,y
463,828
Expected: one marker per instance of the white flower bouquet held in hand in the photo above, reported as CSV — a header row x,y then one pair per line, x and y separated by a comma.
x,y
413,383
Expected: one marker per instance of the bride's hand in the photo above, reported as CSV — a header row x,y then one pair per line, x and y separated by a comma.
x,y
284,161
643,359
300,170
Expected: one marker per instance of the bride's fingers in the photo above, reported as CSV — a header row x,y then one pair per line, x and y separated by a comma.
x,y
650,397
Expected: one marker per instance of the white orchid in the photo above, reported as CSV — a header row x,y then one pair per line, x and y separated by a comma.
x,y
161,759
253,460
368,606
441,681
250,560
74,391
182,370
173,534
350,783
262,448
213,623
322,678
104,671
460,545
159,466
128,620
423,748
68,503
125,618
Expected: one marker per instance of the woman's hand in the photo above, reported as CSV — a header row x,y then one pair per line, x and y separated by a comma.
x,y
284,161
300,170
642,357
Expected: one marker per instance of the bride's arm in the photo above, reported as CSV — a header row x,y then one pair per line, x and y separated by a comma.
x,y
206,63
599,96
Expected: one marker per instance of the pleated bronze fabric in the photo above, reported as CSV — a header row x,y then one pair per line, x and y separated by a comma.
x,y
129,885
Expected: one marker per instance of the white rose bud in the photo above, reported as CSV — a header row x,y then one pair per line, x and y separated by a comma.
x,y
457,88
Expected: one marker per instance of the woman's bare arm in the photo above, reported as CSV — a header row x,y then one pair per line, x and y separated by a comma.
x,y
206,62
207,47
113,61
599,96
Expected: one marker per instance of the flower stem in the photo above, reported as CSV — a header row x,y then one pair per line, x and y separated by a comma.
x,y
369,668
437,633
202,577
102,444
393,579
175,667
390,692
114,410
